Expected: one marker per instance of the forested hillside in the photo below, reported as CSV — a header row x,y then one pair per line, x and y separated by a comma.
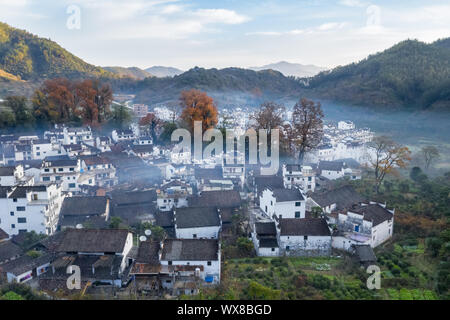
x,y
411,74
29,57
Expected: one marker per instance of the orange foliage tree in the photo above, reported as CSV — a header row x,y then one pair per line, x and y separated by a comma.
x,y
152,124
198,106
387,157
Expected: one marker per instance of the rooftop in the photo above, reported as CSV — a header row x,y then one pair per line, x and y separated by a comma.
x,y
190,250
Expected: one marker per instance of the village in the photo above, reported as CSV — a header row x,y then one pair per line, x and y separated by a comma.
x,y
138,217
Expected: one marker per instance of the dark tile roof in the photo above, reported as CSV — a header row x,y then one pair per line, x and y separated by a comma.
x,y
344,197
61,161
262,182
25,263
293,167
331,165
365,253
283,195
120,198
144,148
8,250
83,206
164,219
148,252
21,191
190,250
265,228
92,222
4,191
7,171
196,217
208,173
93,240
3,234
218,199
373,212
304,227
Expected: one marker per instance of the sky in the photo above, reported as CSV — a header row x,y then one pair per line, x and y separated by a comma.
x,y
228,33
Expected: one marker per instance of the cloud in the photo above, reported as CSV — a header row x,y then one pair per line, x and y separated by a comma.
x,y
321,28
352,3
220,16
331,26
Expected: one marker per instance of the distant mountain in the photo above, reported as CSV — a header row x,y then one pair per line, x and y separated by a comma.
x,y
292,69
442,43
29,57
231,85
410,74
161,72
132,72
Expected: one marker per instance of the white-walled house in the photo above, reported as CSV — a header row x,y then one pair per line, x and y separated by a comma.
x,y
62,170
43,148
304,237
297,175
173,194
78,136
122,135
283,203
371,223
14,175
197,223
191,259
265,239
30,208
332,170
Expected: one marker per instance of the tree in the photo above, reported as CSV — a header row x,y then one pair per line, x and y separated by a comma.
x,y
198,106
22,115
115,222
387,157
121,117
59,98
430,153
166,135
7,120
269,116
417,175
307,126
152,124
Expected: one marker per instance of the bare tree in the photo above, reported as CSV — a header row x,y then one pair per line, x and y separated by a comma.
x,y
430,153
387,157
307,126
269,116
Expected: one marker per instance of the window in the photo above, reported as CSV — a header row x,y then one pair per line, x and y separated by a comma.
x,y
60,169
38,148
71,185
298,204
305,238
170,263
266,209
45,178
38,153
13,226
72,169
20,208
194,236
273,249
297,214
287,248
35,196
209,263
57,178
21,220
309,178
14,200
11,213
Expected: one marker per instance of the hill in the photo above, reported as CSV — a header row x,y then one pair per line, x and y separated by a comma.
x,y
161,72
230,86
292,69
410,74
29,57
132,72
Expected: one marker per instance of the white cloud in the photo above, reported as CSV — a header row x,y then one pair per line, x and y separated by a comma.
x,y
352,3
220,16
331,26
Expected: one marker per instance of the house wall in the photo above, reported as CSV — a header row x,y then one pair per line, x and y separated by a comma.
x,y
202,232
213,269
382,232
286,209
313,246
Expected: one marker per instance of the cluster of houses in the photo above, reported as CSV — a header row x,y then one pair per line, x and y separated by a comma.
x,y
85,192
